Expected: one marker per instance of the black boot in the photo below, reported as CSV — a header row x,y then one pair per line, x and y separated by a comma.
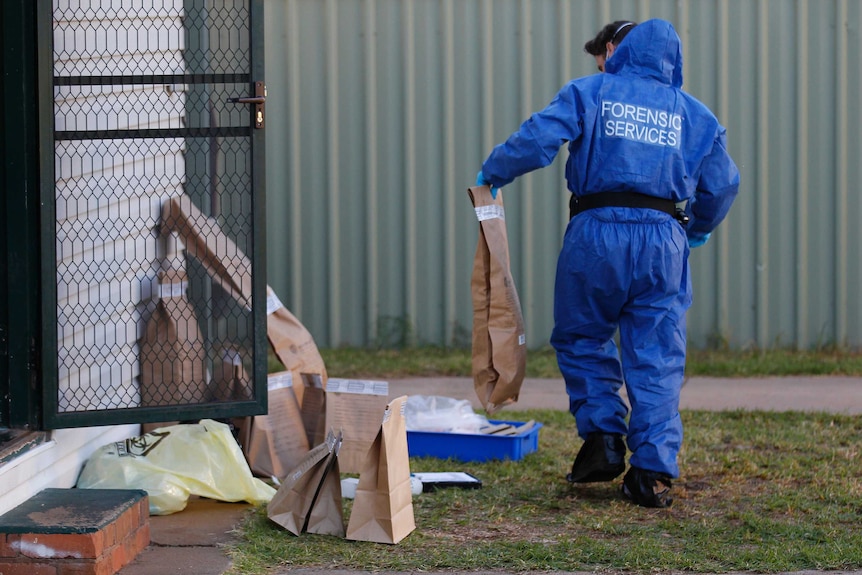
x,y
602,457
647,488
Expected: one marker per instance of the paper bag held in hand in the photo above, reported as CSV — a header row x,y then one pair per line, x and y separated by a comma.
x,y
499,342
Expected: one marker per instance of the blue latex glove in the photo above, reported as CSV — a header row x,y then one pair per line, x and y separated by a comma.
x,y
697,240
481,181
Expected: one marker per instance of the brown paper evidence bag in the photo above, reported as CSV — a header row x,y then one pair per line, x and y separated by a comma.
x,y
309,500
499,343
269,442
383,505
226,264
300,405
275,442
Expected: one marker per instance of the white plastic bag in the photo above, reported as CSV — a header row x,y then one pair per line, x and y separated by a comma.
x,y
171,463
446,414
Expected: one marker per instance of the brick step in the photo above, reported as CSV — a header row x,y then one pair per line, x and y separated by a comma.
x,y
74,532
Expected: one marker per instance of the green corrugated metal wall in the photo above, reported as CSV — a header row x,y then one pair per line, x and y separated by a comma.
x,y
380,113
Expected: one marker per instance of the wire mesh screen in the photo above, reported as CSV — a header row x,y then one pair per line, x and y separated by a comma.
x,y
153,199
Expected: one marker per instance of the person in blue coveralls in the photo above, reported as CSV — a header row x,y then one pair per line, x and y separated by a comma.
x,y
650,177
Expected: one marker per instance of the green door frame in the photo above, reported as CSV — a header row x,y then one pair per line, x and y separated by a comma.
x,y
20,294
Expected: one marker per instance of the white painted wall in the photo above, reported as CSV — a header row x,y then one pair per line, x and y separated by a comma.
x,y
109,191
55,463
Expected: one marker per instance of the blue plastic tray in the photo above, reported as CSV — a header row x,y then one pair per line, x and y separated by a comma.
x,y
473,447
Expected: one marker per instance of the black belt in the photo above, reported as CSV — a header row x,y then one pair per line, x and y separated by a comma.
x,y
578,204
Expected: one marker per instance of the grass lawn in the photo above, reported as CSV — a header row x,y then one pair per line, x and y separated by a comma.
x,y
428,361
759,491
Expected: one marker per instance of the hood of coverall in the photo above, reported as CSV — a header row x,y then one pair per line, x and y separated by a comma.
x,y
652,50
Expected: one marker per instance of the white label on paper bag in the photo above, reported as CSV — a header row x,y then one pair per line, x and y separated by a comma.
x,y
490,212
387,413
362,386
522,339
279,380
312,458
272,302
172,290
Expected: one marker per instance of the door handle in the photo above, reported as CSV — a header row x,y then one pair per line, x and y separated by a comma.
x,y
259,101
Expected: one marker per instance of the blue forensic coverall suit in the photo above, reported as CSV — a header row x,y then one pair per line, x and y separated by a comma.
x,y
630,129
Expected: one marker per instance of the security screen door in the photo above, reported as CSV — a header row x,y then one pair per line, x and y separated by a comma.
x,y
153,230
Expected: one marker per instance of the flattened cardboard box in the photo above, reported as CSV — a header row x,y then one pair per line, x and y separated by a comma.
x,y
355,407
499,341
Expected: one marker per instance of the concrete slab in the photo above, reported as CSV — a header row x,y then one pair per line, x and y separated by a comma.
x,y
204,522
831,394
809,393
155,560
191,541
